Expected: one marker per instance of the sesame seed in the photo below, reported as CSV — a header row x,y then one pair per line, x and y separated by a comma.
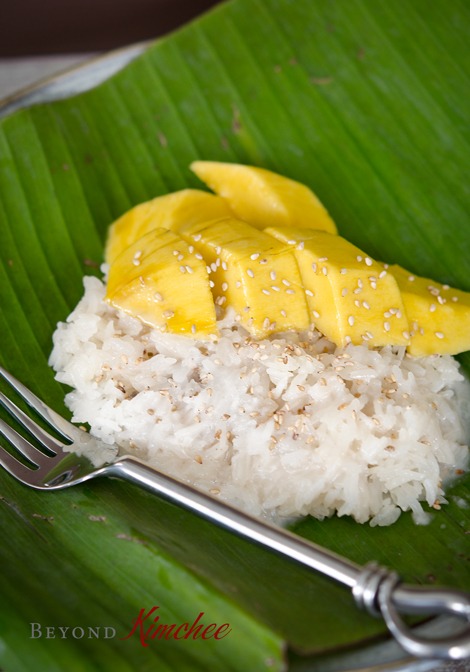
x,y
368,261
360,283
357,303
314,267
347,340
343,271
411,278
263,261
197,237
250,273
211,284
254,256
344,291
316,314
209,270
183,269
388,314
370,336
324,270
217,262
382,274
358,290
193,328
238,284
309,292
406,334
387,326
180,257
292,242
283,313
275,288
441,300
157,296
398,314
189,269
266,323
199,256
218,250
168,313
373,285
266,291
445,287
224,265
191,249
359,258
136,262
301,245
224,286
214,267
366,305
323,259
290,291
439,334
286,282
351,320
455,298
273,275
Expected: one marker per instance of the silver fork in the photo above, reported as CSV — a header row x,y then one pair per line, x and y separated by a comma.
x,y
80,457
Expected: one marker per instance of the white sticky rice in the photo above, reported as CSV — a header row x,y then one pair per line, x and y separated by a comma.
x,y
283,427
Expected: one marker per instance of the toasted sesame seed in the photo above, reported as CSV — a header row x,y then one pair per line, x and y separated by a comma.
x,y
250,273
351,320
369,335
439,334
254,256
368,261
176,252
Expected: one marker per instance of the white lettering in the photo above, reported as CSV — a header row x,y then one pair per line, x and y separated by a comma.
x,y
80,635
64,630
50,632
110,636
35,628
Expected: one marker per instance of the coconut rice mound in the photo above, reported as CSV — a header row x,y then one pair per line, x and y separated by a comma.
x,y
283,427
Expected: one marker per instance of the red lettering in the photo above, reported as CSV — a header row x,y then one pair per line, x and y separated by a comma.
x,y
193,630
176,633
139,623
222,628
206,634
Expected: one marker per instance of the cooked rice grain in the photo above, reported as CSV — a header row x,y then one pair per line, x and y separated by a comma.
x,y
286,426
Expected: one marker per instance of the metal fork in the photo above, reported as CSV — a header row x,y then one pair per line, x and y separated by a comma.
x,y
80,457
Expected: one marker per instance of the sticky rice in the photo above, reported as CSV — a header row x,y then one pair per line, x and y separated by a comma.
x,y
283,427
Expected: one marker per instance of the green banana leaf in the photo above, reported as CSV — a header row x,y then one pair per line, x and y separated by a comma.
x,y
363,100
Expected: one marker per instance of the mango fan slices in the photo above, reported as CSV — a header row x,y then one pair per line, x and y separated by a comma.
x,y
266,247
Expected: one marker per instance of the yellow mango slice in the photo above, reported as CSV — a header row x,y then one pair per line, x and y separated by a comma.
x,y
263,198
351,298
187,205
253,273
163,282
439,315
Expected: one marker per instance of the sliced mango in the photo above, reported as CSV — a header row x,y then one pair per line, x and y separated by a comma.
x,y
263,198
160,280
439,315
253,273
351,298
167,211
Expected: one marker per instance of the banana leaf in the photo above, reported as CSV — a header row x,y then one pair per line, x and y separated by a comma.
x,y
363,101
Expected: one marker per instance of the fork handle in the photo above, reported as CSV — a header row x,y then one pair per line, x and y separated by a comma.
x,y
374,588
